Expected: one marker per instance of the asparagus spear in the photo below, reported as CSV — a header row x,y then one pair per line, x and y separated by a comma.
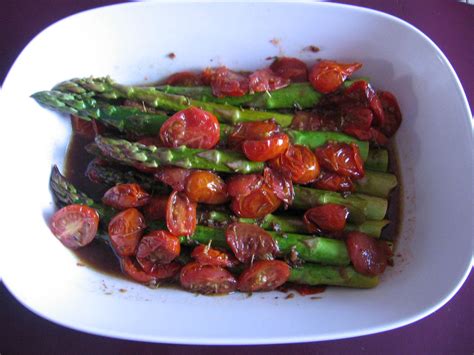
x,y
376,184
377,160
313,274
107,88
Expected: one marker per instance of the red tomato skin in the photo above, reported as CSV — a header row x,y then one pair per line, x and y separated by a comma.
x,y
280,182
327,218
160,272
266,80
180,214
333,182
368,255
157,247
243,185
148,141
155,210
207,279
392,113
361,94
300,162
192,127
86,129
225,82
205,255
290,68
266,149
123,196
327,76
341,158
206,187
184,78
265,275
249,242
125,231
251,131
173,176
256,204
62,219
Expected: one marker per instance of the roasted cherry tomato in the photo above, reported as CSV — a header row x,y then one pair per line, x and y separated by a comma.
x,y
392,113
290,68
207,279
87,129
265,275
184,78
327,76
341,158
159,272
150,141
378,137
180,214
75,225
205,255
280,182
315,121
192,127
265,149
225,82
124,196
251,130
242,185
368,255
206,187
157,247
361,94
256,204
249,242
327,218
172,176
357,117
300,162
125,231
155,210
333,182
266,80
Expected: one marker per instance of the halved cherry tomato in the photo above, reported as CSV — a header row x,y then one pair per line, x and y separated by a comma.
x,y
155,210
265,275
368,255
225,82
86,129
393,115
207,279
357,117
266,80
205,255
341,158
249,242
327,76
184,78
159,272
157,247
242,185
75,225
265,149
150,141
251,130
256,204
300,162
290,68
172,176
327,218
124,196
192,127
378,137
280,182
333,182
206,187
125,231
361,94
180,214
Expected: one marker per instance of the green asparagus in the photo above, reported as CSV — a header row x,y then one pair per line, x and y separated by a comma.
x,y
377,160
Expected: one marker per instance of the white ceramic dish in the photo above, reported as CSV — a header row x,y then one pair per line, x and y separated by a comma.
x,y
130,42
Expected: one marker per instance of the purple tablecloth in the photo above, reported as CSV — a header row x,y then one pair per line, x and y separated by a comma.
x,y
449,331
